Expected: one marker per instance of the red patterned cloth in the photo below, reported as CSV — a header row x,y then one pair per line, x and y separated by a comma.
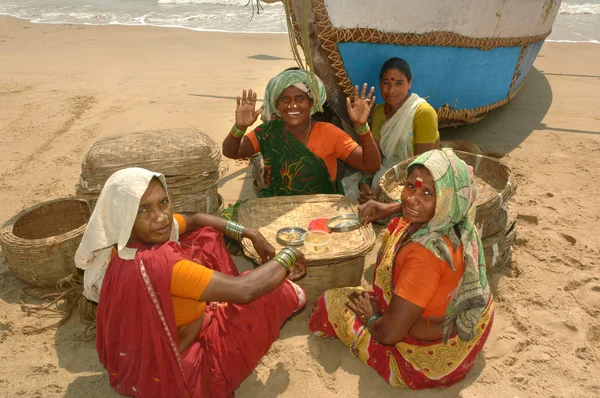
x,y
411,363
137,337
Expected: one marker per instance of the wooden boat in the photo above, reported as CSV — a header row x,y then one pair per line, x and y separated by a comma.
x,y
467,56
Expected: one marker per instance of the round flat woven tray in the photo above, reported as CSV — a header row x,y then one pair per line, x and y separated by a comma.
x,y
495,186
40,242
341,265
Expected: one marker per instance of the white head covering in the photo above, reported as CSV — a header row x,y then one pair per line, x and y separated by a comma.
x,y
111,224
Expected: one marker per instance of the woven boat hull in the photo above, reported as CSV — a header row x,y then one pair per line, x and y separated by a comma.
x,y
467,57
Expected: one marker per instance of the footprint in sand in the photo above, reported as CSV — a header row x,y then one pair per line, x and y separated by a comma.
x,y
529,219
569,238
587,294
593,335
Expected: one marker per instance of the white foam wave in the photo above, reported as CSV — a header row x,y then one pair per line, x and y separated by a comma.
x,y
219,2
575,9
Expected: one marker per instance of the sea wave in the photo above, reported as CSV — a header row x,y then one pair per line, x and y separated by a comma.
x,y
219,2
575,9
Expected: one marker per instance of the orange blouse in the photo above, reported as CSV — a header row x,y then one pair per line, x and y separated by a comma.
x,y
425,280
188,281
326,141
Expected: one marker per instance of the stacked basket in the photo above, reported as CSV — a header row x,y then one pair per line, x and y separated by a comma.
x,y
341,265
188,158
495,219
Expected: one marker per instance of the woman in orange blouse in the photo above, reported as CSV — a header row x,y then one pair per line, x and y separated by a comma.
x,y
300,155
430,310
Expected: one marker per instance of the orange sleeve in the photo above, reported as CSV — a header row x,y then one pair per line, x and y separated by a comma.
x,y
189,279
180,223
343,144
419,277
252,137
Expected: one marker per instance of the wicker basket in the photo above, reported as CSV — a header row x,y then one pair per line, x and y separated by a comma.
x,y
342,265
491,216
188,158
496,247
40,242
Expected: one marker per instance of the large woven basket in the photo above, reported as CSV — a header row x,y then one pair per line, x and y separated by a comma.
x,y
342,265
498,247
188,158
40,242
491,215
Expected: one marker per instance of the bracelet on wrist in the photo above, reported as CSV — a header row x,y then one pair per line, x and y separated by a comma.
x,y
237,133
287,258
366,179
234,230
372,318
284,260
362,130
291,253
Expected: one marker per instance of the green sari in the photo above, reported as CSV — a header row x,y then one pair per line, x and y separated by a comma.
x,y
290,169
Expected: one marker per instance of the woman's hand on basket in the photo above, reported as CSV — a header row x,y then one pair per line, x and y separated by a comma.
x,y
374,211
298,271
362,305
246,113
360,109
265,250
366,193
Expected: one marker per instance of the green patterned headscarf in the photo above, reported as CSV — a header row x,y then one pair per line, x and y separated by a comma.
x,y
456,192
299,78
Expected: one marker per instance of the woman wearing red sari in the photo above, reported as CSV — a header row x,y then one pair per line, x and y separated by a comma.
x,y
174,317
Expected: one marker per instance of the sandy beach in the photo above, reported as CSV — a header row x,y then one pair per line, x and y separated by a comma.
x,y
63,87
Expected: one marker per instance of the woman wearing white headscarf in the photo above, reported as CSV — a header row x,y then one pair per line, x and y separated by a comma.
x,y
174,317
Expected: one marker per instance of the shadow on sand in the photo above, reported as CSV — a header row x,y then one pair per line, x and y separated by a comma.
x,y
505,128
333,356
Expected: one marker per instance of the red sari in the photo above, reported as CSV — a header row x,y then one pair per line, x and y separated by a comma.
x,y
137,337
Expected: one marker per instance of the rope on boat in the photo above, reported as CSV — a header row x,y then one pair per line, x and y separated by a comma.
x,y
303,37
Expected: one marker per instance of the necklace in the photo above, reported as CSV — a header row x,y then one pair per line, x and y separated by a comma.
x,y
388,112
307,132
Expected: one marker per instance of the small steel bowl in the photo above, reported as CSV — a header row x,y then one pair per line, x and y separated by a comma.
x,y
297,242
344,223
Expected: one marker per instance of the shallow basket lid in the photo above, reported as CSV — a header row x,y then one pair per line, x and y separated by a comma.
x,y
268,215
175,152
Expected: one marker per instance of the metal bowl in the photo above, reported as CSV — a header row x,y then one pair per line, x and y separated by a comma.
x,y
296,242
343,223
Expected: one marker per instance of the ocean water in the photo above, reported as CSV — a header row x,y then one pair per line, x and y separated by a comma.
x,y
578,20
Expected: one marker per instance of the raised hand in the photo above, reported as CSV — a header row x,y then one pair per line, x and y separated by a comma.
x,y
246,113
360,108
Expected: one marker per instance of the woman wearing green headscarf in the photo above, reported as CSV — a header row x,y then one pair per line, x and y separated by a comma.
x,y
430,310
300,155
